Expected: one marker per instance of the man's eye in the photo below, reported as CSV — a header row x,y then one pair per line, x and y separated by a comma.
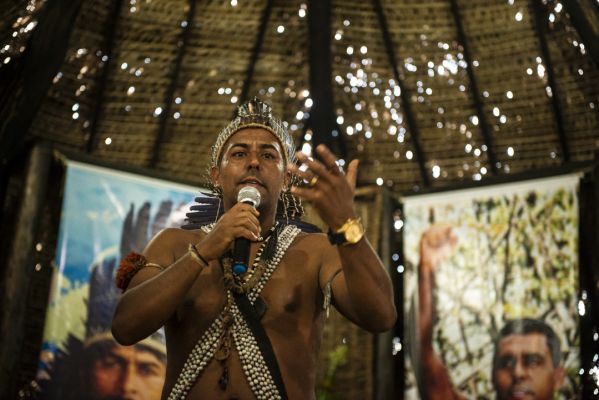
x,y
109,362
147,370
532,360
268,156
506,362
238,154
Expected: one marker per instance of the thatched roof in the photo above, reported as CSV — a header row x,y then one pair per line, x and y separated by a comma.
x,y
426,93
422,90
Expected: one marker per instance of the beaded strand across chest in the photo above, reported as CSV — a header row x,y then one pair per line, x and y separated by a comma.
x,y
253,364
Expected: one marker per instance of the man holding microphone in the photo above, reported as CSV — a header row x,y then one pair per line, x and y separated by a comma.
x,y
252,330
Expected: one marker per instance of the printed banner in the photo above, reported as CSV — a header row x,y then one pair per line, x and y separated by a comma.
x,y
491,286
105,215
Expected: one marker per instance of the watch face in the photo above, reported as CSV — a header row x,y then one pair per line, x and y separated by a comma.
x,y
354,233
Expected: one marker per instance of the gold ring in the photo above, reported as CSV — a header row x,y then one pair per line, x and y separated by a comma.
x,y
313,180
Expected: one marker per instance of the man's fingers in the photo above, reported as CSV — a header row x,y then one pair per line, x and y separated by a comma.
x,y
246,233
304,193
253,226
352,173
316,167
247,207
303,175
328,158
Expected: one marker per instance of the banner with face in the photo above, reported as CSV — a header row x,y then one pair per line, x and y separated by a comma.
x,y
491,288
106,214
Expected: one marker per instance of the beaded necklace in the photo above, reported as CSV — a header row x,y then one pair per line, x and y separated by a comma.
x,y
239,284
242,283
216,341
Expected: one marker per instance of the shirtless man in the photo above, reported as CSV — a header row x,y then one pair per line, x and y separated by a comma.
x,y
527,357
189,291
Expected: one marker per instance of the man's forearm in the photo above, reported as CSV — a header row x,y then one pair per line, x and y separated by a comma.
x,y
436,380
425,304
148,305
369,286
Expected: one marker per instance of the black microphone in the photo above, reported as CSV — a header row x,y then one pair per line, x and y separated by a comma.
x,y
241,248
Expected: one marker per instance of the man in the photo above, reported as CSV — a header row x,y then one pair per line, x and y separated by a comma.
x,y
527,361
97,367
185,281
527,356
104,371
133,372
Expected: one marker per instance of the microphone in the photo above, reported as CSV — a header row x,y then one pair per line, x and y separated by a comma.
x,y
241,248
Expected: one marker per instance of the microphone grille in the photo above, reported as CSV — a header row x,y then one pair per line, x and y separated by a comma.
x,y
249,194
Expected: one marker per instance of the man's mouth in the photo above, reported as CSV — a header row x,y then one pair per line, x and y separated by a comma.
x,y
251,182
519,393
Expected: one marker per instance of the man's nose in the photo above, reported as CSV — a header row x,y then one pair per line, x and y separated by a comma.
x,y
131,381
254,161
519,370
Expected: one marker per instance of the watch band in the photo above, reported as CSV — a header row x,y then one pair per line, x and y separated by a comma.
x,y
336,238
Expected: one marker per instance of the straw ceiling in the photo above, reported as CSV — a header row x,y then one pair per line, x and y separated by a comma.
x,y
425,93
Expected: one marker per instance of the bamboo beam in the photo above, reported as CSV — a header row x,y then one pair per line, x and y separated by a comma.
x,y
25,81
110,35
405,94
172,87
581,14
540,27
474,90
249,75
322,113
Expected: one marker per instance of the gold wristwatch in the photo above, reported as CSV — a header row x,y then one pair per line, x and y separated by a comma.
x,y
350,232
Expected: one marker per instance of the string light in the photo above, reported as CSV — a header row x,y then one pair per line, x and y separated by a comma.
x,y
302,10
518,17
374,103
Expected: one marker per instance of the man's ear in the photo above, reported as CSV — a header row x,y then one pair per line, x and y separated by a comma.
x,y
559,376
215,176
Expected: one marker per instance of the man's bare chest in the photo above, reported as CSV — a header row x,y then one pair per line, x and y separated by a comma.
x,y
291,292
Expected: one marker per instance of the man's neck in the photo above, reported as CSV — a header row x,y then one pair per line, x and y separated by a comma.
x,y
267,220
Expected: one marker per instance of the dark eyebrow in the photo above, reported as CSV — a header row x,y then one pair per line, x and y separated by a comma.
x,y
153,363
536,354
247,146
116,357
524,353
244,145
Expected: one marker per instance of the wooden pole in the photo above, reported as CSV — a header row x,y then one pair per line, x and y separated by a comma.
x,y
322,114
384,365
19,268
26,81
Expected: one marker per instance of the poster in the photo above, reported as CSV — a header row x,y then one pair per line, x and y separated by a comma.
x,y
105,215
487,270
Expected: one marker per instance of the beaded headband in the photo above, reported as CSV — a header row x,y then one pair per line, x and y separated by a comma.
x,y
255,114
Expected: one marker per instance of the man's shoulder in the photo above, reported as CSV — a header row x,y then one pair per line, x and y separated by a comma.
x,y
318,240
173,241
171,236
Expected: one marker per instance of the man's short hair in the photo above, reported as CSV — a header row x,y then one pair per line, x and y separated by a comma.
x,y
103,348
525,326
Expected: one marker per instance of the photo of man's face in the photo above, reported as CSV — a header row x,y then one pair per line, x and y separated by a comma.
x,y
127,372
492,280
524,368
